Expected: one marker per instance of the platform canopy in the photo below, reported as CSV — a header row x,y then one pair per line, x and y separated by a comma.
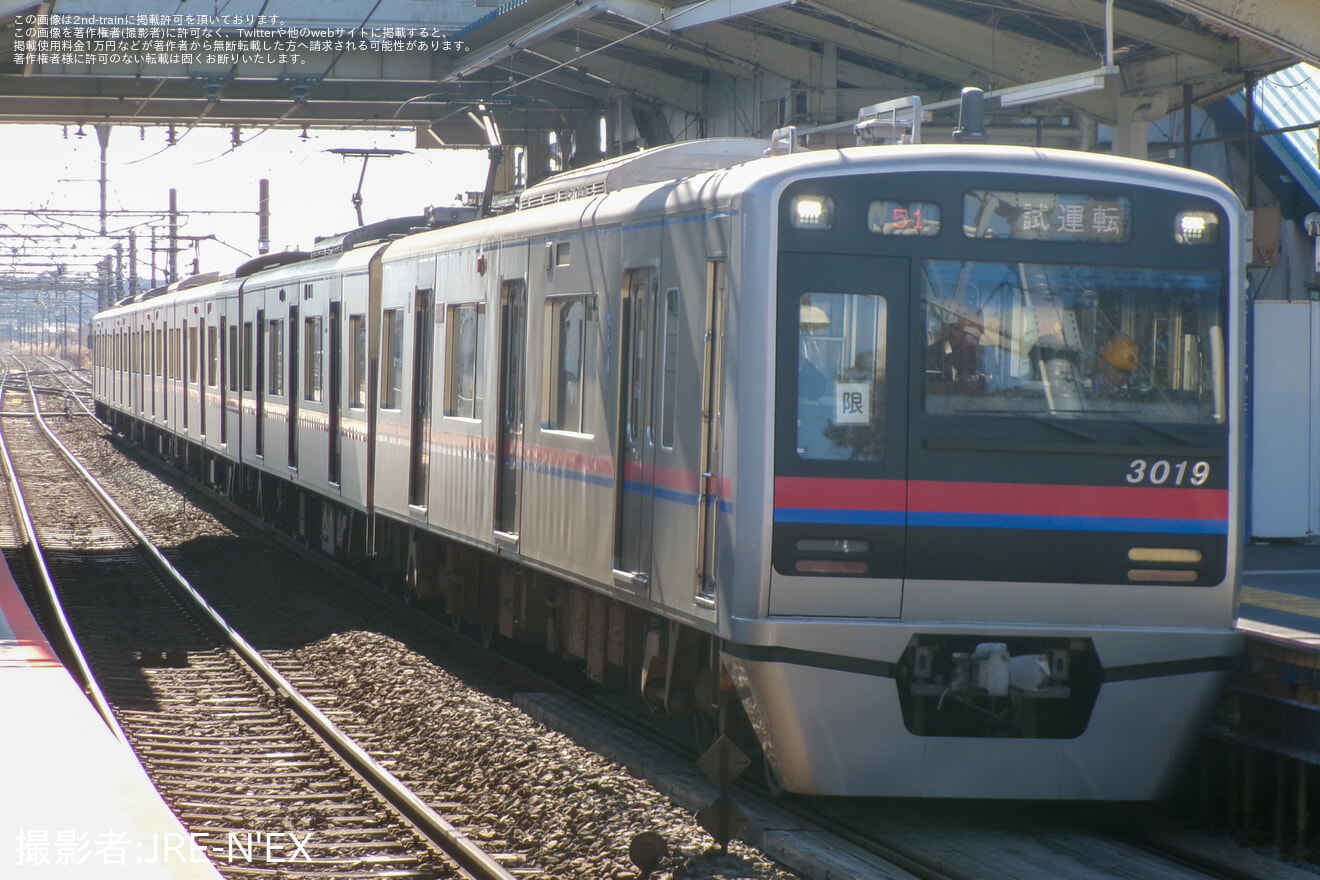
x,y
667,66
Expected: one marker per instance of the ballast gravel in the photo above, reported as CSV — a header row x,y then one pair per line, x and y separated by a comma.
x,y
545,806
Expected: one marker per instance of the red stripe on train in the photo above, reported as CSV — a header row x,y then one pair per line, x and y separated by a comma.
x,y
1041,499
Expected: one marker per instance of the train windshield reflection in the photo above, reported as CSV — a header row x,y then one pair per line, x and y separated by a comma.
x,y
1096,342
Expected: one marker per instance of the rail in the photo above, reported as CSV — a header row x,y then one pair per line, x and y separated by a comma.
x,y
470,857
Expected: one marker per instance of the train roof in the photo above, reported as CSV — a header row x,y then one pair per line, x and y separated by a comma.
x,y
656,165
977,158
344,262
567,197
738,165
283,268
384,229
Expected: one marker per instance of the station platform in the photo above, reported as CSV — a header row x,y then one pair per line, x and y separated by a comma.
x,y
1281,590
74,801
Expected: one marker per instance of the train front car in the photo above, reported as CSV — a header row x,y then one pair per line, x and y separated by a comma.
x,y
1002,546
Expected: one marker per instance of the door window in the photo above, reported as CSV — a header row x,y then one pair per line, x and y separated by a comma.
x,y
841,376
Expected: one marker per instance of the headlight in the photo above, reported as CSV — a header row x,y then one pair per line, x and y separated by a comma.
x,y
813,212
1196,227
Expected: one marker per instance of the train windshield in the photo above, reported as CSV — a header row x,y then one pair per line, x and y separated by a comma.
x,y
1053,341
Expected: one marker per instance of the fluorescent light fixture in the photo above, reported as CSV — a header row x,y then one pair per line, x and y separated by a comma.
x,y
1051,89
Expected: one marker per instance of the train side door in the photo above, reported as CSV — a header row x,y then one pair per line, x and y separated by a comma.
x,y
142,370
336,395
635,457
224,383
186,365
149,342
294,335
709,479
419,460
202,354
166,371
509,433
259,385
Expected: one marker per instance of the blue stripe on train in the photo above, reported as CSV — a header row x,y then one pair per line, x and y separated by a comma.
x,y
919,518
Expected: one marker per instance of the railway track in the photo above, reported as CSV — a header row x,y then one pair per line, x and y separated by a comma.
x,y
71,387
260,777
943,839
937,840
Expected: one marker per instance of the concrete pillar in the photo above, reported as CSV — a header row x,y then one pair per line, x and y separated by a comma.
x,y
1135,114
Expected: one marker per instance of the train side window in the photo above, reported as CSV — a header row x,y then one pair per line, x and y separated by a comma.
x,y
357,362
465,346
275,357
841,376
571,331
212,356
233,358
192,355
312,348
391,378
247,355
669,369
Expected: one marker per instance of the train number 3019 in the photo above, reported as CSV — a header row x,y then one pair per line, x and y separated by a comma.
x,y
1160,473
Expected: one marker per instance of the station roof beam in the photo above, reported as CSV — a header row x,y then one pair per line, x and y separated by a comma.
x,y
576,57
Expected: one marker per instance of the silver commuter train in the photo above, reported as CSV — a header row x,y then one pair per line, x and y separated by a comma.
x,y
919,463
